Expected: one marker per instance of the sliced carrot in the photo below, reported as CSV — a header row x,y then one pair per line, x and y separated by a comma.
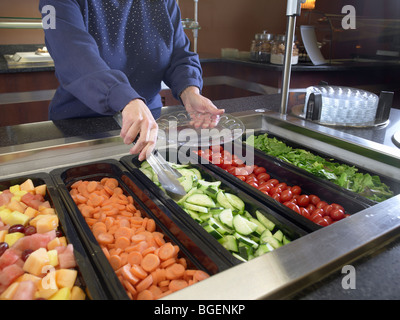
x,y
127,274
138,238
95,199
150,249
134,257
175,271
183,262
76,184
150,262
164,284
138,271
115,262
131,289
123,232
177,284
144,284
92,186
109,222
151,225
200,275
87,211
122,242
155,290
168,262
124,258
106,252
145,295
166,251
105,238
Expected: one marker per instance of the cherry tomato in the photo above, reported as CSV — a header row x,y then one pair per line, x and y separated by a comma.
x,y
264,187
276,196
286,195
252,183
231,169
259,170
296,190
294,207
282,185
320,211
321,204
315,215
240,171
303,200
265,192
310,207
314,199
328,209
337,206
274,182
336,214
304,212
249,169
275,190
323,221
243,178
263,176
237,161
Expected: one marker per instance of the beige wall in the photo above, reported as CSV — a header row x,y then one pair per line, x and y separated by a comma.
x,y
20,8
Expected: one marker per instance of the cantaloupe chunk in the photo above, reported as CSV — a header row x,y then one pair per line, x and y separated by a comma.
x,y
31,212
36,262
15,205
77,293
62,294
27,185
52,244
29,277
66,278
9,292
46,223
42,190
44,210
47,287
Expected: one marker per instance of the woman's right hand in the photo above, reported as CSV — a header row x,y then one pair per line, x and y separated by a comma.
x,y
138,120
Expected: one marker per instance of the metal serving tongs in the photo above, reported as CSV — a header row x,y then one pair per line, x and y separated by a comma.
x,y
167,176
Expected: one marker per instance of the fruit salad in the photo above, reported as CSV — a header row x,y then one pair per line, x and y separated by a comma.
x,y
36,261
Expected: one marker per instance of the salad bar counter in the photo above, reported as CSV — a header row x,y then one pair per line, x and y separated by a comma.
x,y
312,202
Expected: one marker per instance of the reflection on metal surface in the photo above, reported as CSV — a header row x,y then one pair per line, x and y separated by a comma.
x,y
290,268
396,138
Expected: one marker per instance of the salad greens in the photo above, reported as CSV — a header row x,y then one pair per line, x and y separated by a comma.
x,y
343,175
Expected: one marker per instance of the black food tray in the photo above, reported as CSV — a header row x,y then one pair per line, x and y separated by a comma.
x,y
87,277
193,248
292,176
390,182
288,228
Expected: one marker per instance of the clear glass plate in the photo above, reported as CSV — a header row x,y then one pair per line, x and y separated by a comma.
x,y
175,129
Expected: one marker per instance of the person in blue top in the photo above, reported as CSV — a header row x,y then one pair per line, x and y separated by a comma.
x,y
112,55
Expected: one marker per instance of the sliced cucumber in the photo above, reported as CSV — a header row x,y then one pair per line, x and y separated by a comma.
x,y
195,215
223,201
201,200
230,243
278,235
246,240
203,185
186,182
265,235
243,226
145,164
265,221
194,207
196,173
235,201
273,242
213,232
147,172
237,256
226,217
260,227
262,249
216,210
191,191
219,227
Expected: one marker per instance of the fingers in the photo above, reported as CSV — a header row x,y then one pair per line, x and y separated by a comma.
x,y
139,126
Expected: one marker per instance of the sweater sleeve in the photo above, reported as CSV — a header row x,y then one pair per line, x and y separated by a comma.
x,y
78,64
184,69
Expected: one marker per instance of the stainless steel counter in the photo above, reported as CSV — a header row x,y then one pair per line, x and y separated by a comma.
x,y
286,271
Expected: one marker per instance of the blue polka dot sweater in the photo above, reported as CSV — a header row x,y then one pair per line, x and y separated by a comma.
x,y
108,52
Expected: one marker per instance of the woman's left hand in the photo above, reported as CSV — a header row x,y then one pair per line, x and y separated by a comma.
x,y
203,112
